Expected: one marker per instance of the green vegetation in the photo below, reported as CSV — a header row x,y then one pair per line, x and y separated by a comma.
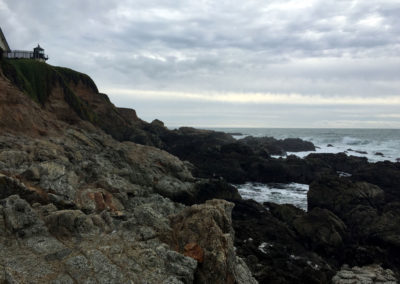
x,y
70,75
37,80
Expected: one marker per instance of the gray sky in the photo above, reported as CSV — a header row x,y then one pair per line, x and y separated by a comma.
x,y
254,63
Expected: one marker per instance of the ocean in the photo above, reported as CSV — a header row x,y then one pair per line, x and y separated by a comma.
x,y
374,144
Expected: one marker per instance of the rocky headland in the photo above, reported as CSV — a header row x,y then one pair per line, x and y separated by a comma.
x,y
90,193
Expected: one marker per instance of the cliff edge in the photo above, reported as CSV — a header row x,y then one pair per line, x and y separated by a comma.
x,y
79,206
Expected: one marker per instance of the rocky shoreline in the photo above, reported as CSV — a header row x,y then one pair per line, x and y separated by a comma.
x,y
90,193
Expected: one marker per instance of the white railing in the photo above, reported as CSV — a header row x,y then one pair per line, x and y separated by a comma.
x,y
24,54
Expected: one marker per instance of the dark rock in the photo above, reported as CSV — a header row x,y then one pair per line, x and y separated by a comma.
x,y
286,213
379,154
261,145
384,174
329,162
322,230
11,186
371,222
329,145
340,195
272,248
212,189
296,145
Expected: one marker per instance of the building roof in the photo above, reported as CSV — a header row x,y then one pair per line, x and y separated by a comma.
x,y
3,42
38,48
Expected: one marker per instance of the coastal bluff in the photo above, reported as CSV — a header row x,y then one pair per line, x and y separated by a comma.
x,y
78,206
90,193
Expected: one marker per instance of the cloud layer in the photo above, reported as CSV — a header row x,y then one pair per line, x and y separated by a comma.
x,y
234,54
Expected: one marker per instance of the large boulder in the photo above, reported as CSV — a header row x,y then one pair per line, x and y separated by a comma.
x,y
322,230
386,175
266,239
341,195
373,225
205,233
19,217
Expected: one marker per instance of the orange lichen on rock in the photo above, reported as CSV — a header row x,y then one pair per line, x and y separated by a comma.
x,y
194,251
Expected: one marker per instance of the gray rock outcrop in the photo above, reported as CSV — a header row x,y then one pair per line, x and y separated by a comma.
x,y
84,208
362,275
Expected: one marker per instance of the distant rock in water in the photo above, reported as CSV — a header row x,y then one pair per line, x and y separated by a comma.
x,y
273,146
329,145
379,154
357,151
296,145
235,133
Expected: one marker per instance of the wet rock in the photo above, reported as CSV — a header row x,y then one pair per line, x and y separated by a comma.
x,y
340,195
286,213
296,145
322,229
272,248
386,175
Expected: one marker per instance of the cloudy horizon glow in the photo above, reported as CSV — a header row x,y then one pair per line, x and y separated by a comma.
x,y
278,63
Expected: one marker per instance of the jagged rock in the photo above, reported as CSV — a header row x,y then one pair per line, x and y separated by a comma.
x,y
322,229
194,251
386,175
341,195
286,213
97,200
20,218
209,226
66,222
272,249
366,274
11,186
371,223
296,145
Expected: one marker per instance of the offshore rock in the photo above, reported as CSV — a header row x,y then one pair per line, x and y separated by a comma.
x,y
273,146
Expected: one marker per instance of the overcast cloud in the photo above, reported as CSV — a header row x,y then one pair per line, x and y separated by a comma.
x,y
276,63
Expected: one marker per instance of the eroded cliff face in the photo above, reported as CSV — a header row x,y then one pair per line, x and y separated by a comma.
x,y
78,206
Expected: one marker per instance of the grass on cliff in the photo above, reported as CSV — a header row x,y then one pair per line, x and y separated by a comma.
x,y
37,80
